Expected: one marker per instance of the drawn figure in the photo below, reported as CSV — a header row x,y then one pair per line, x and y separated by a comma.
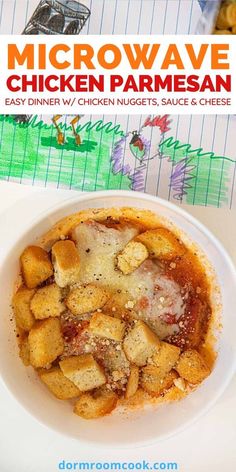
x,y
58,17
137,146
61,136
132,160
198,177
76,135
182,177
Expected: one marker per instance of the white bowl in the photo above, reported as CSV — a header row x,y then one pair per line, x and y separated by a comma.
x,y
135,429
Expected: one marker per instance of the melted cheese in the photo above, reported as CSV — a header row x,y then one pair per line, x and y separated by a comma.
x,y
98,247
167,301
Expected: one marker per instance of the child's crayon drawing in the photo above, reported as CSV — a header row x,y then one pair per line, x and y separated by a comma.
x,y
182,177
201,177
97,155
183,159
138,149
30,153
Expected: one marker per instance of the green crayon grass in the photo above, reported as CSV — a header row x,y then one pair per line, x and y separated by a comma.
x,y
209,184
30,152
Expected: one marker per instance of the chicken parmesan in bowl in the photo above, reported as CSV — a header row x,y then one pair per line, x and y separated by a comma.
x,y
113,308
122,315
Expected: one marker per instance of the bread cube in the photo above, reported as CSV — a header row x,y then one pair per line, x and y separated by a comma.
x,y
58,384
36,266
133,381
161,244
94,406
24,352
166,358
45,342
192,367
83,371
118,305
140,344
106,326
115,359
153,384
46,302
66,262
86,298
21,307
132,256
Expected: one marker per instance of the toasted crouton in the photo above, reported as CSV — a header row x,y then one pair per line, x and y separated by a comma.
x,y
21,307
45,342
83,371
161,244
192,367
140,344
99,404
133,381
107,327
118,304
166,358
46,302
58,384
66,263
36,266
115,359
153,384
24,351
86,298
132,256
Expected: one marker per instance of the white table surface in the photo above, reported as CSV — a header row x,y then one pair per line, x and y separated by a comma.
x,y
27,446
